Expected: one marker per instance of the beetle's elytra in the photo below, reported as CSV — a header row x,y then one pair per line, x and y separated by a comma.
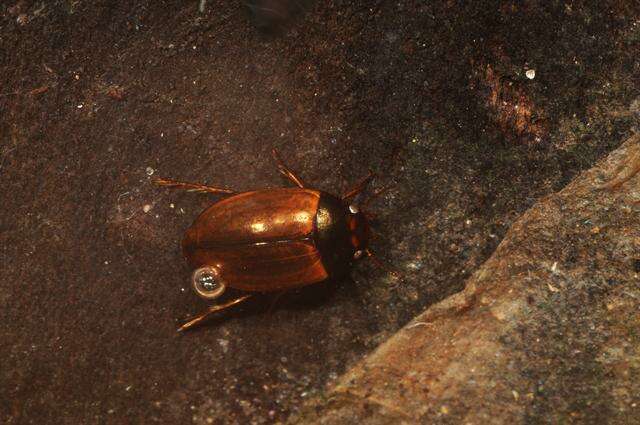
x,y
271,240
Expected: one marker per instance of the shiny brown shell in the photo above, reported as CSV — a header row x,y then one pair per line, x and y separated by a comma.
x,y
273,239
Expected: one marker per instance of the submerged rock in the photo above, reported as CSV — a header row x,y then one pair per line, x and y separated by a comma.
x,y
545,331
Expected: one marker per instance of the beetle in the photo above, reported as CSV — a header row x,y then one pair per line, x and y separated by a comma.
x,y
271,240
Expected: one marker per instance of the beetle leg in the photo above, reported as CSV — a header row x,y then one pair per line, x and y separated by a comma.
x,y
192,187
359,187
285,171
212,310
274,302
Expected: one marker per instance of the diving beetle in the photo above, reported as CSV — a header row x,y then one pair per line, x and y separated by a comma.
x,y
271,239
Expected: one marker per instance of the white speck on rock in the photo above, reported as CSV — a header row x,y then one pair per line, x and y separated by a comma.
x,y
530,73
147,208
150,171
224,343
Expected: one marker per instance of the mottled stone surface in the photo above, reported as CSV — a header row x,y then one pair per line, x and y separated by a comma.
x,y
546,331
98,98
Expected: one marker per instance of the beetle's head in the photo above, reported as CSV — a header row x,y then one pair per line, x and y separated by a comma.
x,y
358,220
358,230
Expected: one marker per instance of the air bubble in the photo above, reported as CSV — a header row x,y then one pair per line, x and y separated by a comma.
x,y
207,282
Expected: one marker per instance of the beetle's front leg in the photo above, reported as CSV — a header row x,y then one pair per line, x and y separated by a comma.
x,y
359,187
192,187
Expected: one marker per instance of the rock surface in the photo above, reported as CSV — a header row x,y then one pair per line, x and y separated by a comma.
x,y
546,331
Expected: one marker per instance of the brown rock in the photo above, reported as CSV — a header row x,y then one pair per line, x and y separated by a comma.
x,y
545,331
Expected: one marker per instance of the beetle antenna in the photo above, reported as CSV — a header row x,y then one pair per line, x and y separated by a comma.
x,y
374,196
211,310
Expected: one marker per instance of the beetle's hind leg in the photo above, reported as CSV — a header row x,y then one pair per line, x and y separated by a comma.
x,y
208,283
212,310
285,171
192,187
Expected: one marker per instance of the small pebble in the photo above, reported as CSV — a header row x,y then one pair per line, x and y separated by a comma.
x,y
531,74
150,171
146,208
